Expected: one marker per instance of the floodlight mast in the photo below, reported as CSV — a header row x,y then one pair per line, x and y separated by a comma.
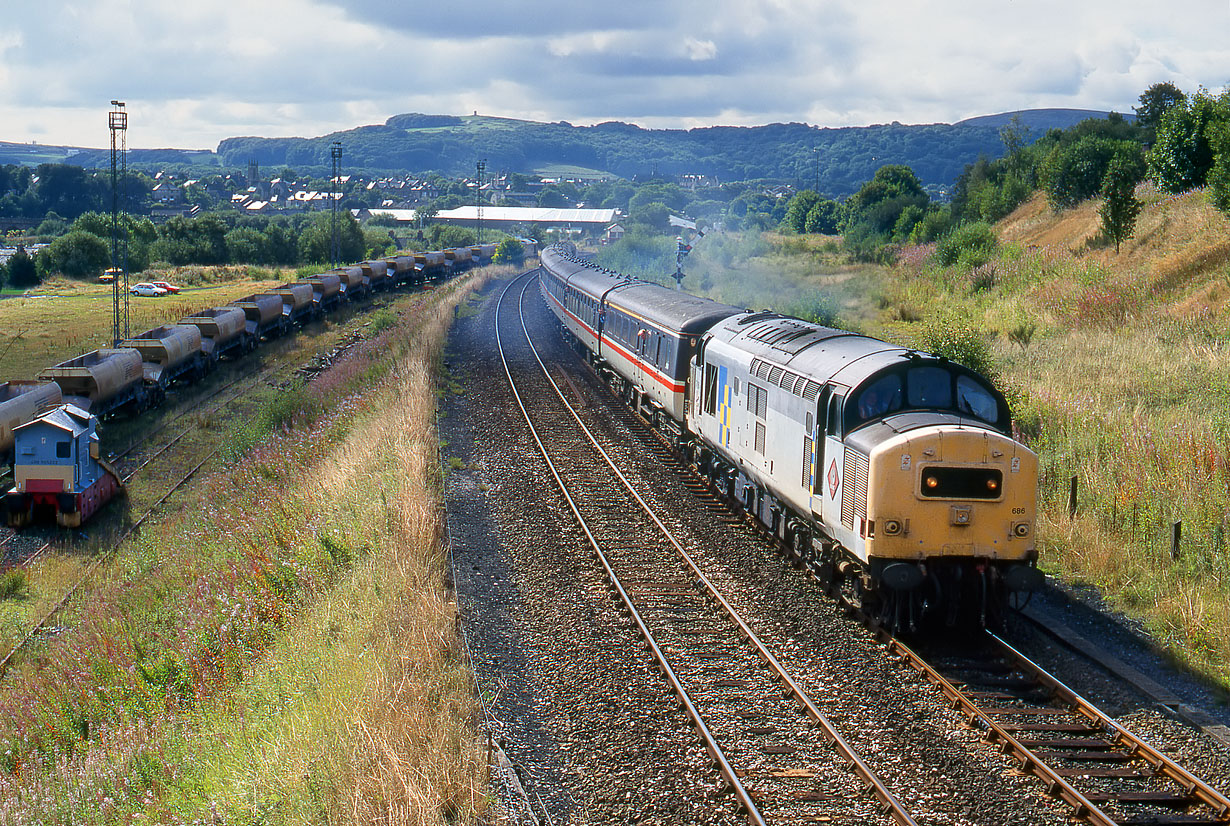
x,y
117,121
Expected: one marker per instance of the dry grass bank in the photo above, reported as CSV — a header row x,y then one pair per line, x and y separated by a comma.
x,y
284,651
1120,370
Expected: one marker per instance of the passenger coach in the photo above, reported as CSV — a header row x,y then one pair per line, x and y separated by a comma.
x,y
641,335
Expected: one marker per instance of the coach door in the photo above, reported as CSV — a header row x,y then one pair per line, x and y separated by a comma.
x,y
830,473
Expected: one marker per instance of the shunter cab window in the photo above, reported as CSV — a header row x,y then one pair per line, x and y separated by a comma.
x,y
63,450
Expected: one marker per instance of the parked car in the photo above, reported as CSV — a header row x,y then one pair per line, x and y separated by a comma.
x,y
147,290
170,288
109,275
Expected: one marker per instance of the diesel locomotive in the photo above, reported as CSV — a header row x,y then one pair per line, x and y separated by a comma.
x,y
891,471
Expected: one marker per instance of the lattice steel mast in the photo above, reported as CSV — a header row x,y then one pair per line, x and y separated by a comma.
x,y
335,238
118,122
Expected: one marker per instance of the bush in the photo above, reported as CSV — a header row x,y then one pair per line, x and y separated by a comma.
x,y
955,339
1074,173
509,251
20,272
970,245
78,255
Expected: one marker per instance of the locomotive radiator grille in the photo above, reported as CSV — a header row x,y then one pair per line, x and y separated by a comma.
x,y
854,492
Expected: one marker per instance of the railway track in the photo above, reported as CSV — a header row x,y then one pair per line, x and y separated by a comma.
x,y
781,765
11,556
1103,773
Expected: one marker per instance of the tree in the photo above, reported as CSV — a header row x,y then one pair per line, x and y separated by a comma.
x,y
1155,102
509,251
1219,174
21,270
77,255
316,238
1119,203
1182,155
1074,173
797,209
824,217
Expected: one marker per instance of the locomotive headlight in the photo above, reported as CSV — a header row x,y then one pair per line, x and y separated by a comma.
x,y
1021,529
932,482
992,484
892,527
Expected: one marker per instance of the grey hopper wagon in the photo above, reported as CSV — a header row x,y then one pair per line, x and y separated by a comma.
x,y
102,381
169,353
297,302
377,274
264,314
224,332
326,291
21,402
401,269
431,265
354,285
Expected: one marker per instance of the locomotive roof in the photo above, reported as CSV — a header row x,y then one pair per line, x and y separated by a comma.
x,y
823,353
671,309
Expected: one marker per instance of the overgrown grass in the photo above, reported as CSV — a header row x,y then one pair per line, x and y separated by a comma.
x,y
286,654
1119,371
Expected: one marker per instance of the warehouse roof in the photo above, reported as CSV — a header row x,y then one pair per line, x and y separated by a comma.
x,y
542,215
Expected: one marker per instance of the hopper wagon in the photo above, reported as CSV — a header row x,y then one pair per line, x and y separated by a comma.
x,y
482,253
102,382
326,292
22,402
431,265
458,259
354,285
377,274
224,332
298,305
169,354
401,269
264,315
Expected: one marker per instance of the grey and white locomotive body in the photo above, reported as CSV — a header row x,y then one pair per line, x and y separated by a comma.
x,y
891,466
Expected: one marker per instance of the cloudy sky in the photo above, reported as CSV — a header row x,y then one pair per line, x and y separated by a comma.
x,y
195,71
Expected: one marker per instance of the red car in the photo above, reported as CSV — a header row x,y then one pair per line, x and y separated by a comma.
x,y
170,288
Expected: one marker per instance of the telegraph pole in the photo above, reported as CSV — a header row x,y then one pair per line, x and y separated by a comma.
x,y
481,166
335,238
118,123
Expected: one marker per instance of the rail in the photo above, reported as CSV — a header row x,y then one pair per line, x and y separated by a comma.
x,y
888,801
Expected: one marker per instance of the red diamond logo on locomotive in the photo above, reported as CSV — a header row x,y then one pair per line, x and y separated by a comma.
x,y
834,480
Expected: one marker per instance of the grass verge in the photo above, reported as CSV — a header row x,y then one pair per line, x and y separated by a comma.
x,y
284,650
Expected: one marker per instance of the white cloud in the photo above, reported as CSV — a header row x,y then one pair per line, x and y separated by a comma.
x,y
196,72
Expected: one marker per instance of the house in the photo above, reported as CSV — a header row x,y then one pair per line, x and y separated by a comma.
x,y
613,233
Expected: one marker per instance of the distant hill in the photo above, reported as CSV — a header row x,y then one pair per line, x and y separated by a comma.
x,y
1040,120
838,160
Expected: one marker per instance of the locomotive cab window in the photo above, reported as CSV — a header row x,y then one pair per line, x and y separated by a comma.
x,y
975,399
880,397
929,387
